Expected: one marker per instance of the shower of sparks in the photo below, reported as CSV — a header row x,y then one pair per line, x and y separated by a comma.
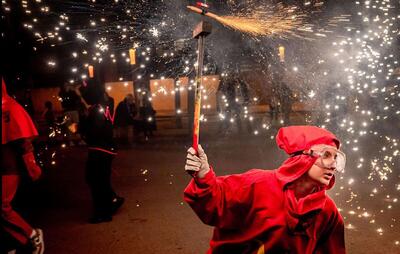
x,y
361,96
283,22
278,21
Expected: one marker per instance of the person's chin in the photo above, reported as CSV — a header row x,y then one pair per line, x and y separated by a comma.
x,y
325,180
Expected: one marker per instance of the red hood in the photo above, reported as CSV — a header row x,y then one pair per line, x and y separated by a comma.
x,y
294,139
299,138
4,94
15,123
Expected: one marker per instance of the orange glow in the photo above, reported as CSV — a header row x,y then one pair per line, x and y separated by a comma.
x,y
282,53
91,71
132,56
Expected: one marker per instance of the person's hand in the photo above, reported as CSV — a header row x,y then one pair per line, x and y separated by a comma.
x,y
197,165
33,169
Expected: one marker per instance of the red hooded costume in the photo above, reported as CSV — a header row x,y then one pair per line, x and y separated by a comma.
x,y
17,130
15,123
257,212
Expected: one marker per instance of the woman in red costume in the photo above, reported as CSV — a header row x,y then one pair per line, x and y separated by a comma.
x,y
285,210
17,158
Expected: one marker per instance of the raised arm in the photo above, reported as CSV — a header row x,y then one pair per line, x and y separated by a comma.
x,y
218,201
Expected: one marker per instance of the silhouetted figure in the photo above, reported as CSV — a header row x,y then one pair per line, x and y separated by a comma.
x,y
286,102
124,117
274,108
147,116
48,113
243,96
97,129
72,106
231,108
49,117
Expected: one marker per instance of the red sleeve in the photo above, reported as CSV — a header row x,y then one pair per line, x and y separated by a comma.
x,y
332,239
222,201
26,146
16,123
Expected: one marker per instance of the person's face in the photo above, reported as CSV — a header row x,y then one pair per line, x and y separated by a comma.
x,y
319,172
320,175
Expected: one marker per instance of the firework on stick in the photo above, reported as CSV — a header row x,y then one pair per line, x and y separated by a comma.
x,y
281,21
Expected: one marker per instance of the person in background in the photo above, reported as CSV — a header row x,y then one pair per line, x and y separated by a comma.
x,y
286,102
286,210
17,159
71,104
148,116
48,116
273,108
124,117
110,102
97,130
232,110
243,96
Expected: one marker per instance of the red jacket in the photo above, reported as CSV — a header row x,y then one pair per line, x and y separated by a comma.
x,y
257,212
15,123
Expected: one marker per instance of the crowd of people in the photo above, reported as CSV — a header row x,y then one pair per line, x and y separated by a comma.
x,y
134,118
131,119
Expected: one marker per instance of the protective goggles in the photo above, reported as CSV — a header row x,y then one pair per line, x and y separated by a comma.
x,y
328,157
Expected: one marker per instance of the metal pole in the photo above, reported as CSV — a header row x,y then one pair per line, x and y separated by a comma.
x,y
199,86
200,32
